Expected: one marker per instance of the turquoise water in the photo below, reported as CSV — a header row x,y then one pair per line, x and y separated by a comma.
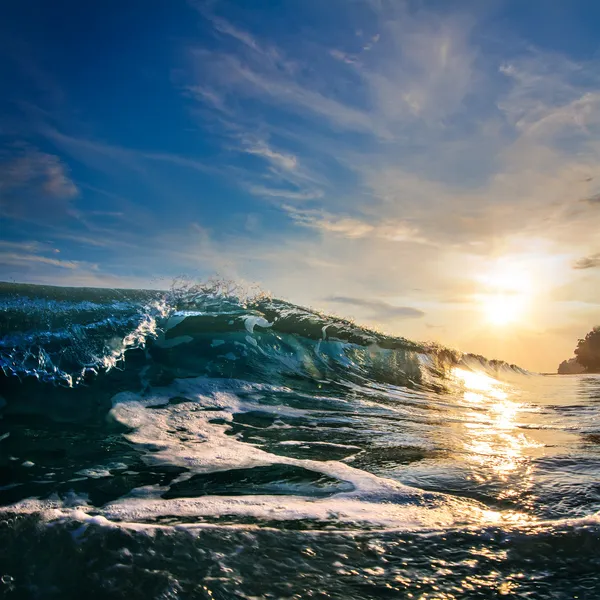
x,y
203,443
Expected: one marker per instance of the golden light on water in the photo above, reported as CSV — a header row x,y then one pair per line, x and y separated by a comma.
x,y
474,381
494,440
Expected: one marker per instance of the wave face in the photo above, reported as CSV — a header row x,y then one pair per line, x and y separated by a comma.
x,y
189,440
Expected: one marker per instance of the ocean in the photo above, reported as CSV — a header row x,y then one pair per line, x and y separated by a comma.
x,y
209,442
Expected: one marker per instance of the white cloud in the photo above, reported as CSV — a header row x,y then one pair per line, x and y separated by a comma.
x,y
92,152
13,258
353,228
423,67
266,192
279,159
30,246
283,91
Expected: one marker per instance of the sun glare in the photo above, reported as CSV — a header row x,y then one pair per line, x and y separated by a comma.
x,y
507,294
503,309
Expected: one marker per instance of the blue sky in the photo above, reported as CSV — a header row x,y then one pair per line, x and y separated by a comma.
x,y
426,167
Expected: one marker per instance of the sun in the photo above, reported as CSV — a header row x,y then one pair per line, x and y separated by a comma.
x,y
507,293
503,308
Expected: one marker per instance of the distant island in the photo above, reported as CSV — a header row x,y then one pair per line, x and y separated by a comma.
x,y
587,356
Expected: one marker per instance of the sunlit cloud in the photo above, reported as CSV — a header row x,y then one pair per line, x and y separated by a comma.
x,y
588,262
378,309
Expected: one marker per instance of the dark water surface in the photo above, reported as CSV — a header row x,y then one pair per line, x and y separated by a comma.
x,y
200,444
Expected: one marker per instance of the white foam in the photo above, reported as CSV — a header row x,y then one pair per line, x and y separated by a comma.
x,y
94,472
252,321
183,435
313,443
116,466
147,328
207,447
139,510
277,508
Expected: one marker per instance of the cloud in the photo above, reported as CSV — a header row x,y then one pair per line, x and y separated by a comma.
x,y
208,96
344,226
435,150
423,67
457,146
41,269
378,308
13,258
522,171
257,190
29,246
282,91
224,26
285,169
342,56
279,159
354,228
588,262
90,151
35,184
418,65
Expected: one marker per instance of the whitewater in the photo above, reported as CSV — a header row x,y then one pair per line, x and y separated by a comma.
x,y
210,442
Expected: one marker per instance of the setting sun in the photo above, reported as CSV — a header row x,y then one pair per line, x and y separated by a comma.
x,y
507,294
503,308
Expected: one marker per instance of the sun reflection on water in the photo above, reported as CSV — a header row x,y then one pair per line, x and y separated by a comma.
x,y
494,440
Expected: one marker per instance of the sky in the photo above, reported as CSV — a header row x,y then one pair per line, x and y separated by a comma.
x,y
429,168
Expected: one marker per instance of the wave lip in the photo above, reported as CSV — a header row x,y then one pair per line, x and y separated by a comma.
x,y
69,335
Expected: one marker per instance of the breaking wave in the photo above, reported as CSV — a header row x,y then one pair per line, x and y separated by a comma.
x,y
189,439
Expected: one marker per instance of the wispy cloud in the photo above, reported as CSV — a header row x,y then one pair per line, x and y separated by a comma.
x,y
268,53
353,228
279,159
35,183
29,246
13,258
423,67
126,157
588,262
288,194
379,309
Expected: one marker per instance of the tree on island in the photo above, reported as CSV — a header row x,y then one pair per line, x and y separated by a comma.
x,y
587,353
570,367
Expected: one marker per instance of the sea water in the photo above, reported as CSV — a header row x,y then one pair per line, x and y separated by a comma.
x,y
206,443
